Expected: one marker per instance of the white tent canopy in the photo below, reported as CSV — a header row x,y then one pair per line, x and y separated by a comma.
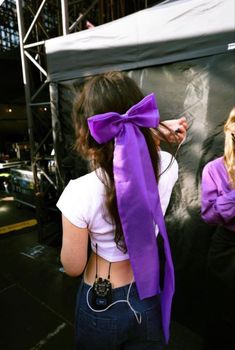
x,y
169,32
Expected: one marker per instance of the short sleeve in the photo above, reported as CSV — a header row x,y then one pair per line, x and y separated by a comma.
x,y
169,176
169,171
73,204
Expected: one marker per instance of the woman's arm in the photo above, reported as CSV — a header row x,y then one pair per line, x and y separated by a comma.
x,y
178,129
216,208
173,131
74,248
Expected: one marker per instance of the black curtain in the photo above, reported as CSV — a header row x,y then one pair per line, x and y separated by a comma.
x,y
203,90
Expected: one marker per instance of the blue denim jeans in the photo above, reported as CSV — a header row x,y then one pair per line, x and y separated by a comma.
x,y
117,328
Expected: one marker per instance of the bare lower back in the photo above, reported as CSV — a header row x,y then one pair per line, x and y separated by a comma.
x,y
120,271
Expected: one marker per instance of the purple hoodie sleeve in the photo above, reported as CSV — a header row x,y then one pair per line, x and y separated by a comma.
x,y
217,208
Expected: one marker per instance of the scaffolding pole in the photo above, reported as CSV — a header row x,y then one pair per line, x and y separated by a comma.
x,y
65,17
31,52
26,78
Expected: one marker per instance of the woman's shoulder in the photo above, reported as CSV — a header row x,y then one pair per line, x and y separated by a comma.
x,y
215,165
87,182
83,188
88,178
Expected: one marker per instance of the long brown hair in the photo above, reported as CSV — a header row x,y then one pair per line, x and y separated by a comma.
x,y
229,147
108,92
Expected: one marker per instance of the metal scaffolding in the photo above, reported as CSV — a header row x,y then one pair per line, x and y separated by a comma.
x,y
38,21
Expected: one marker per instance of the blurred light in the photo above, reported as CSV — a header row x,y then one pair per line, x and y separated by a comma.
x,y
9,110
45,109
4,209
7,199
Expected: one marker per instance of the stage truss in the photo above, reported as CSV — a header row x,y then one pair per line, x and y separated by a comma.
x,y
39,21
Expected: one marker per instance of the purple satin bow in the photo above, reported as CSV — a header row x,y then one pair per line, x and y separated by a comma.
x,y
138,198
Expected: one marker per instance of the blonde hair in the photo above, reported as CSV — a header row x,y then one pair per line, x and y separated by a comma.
x,y
229,146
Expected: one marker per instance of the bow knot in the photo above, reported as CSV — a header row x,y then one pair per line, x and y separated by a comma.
x,y
125,119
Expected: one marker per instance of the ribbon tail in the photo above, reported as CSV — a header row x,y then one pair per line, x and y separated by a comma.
x,y
133,206
169,279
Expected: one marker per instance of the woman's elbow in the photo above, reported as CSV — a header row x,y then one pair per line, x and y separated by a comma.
x,y
71,272
71,268
206,219
211,219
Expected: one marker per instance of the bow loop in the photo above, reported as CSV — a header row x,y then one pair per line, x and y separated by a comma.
x,y
146,108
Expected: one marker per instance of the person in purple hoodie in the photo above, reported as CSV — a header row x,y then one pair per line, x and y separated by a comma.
x,y
119,208
218,208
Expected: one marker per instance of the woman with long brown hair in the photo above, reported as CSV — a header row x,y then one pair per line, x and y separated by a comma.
x,y
218,209
119,207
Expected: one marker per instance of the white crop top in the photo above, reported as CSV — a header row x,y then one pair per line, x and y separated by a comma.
x,y
82,203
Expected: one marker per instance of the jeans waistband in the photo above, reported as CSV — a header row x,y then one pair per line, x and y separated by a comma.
x,y
117,293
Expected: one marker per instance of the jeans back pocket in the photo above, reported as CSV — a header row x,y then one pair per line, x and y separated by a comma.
x,y
96,331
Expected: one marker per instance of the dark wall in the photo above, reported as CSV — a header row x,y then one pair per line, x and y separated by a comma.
x,y
203,90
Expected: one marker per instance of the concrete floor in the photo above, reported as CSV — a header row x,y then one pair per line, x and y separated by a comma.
x,y
37,299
